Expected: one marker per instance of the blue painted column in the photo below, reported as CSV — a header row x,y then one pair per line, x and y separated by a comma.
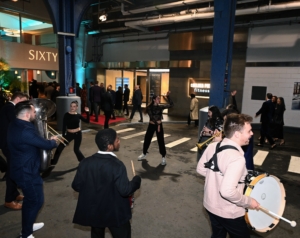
x,y
66,17
223,32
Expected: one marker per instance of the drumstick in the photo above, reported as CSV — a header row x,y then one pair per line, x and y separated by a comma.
x,y
132,166
293,223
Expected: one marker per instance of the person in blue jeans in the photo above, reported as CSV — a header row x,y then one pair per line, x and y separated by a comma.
x,y
25,144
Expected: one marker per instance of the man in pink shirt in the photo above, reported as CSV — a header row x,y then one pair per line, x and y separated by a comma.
x,y
223,166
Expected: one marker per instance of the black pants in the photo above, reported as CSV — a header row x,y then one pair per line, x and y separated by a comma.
x,y
265,132
160,139
97,106
134,108
107,117
125,107
77,137
92,108
11,187
237,228
189,120
3,165
123,231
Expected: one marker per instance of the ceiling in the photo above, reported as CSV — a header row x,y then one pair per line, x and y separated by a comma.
x,y
126,17
155,16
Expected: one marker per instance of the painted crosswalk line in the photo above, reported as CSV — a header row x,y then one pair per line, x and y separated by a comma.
x,y
134,135
195,149
125,130
154,138
294,166
259,157
177,142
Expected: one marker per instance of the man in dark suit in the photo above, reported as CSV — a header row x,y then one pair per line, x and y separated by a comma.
x,y
266,112
91,99
25,144
96,97
126,99
102,178
7,114
137,102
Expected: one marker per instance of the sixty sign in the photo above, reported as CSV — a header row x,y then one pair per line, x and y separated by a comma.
x,y
42,55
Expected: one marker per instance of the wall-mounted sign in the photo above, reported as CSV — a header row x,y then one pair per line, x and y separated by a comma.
x,y
42,55
199,87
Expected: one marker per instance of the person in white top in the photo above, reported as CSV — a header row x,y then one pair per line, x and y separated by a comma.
x,y
223,166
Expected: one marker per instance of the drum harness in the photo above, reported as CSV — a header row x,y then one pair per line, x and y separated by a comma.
x,y
213,162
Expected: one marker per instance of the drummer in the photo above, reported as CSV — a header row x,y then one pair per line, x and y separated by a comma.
x,y
225,173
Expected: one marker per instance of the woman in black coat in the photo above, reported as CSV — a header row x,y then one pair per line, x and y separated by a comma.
x,y
278,120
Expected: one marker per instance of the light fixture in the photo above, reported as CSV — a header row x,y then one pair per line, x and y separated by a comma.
x,y
103,17
14,0
16,71
12,32
52,73
38,72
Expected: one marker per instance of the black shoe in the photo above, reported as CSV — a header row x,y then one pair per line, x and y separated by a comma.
x,y
273,146
140,120
4,177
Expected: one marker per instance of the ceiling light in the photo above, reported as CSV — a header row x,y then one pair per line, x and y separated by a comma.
x,y
16,72
14,0
103,17
38,72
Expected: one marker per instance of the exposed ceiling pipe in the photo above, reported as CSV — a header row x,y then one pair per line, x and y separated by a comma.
x,y
162,6
194,15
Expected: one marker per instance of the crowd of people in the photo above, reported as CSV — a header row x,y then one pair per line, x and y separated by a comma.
x,y
225,163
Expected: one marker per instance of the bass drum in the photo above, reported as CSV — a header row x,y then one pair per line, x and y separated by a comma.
x,y
269,192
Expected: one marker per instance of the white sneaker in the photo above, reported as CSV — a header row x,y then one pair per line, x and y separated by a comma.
x,y
37,226
142,156
163,161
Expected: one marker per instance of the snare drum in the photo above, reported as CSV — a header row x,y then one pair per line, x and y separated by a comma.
x,y
269,192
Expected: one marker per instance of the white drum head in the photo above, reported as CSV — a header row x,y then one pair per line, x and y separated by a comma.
x,y
269,192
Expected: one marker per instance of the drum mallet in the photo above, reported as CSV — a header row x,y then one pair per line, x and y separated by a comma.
x,y
293,223
132,166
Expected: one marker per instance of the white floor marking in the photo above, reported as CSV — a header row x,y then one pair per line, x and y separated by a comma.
x,y
154,138
260,157
177,142
134,135
294,166
195,149
125,130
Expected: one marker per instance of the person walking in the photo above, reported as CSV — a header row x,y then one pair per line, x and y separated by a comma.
x,y
91,99
155,110
224,173
193,115
126,99
7,115
266,112
119,101
108,106
96,97
279,120
137,103
104,189
83,96
25,144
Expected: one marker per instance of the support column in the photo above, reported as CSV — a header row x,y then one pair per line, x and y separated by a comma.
x,y
222,51
66,17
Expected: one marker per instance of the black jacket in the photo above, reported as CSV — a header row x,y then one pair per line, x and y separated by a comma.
x,y
104,188
7,114
266,111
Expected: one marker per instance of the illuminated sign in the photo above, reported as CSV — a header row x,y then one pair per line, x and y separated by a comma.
x,y
199,88
42,55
